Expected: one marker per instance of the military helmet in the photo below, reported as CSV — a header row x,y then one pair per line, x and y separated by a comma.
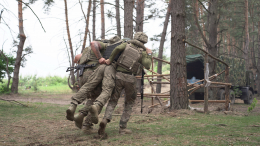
x,y
114,39
140,36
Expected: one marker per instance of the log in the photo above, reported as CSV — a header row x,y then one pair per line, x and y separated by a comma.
x,y
150,94
161,60
210,101
158,103
153,91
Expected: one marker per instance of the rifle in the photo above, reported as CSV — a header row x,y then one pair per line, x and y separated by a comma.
x,y
142,90
80,68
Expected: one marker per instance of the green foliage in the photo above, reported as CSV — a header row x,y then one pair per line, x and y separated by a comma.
x,y
3,87
237,91
34,81
51,84
237,72
11,61
252,106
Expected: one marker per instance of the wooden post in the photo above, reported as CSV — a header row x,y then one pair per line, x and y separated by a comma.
x,y
205,88
227,88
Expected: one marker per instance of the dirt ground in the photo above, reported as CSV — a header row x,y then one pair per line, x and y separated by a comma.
x,y
30,127
64,99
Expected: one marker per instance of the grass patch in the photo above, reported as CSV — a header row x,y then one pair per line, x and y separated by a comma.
x,y
46,124
60,89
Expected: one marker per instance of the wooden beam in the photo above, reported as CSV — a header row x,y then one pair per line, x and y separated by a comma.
x,y
210,101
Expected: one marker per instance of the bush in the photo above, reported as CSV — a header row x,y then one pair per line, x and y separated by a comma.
x,y
250,108
3,87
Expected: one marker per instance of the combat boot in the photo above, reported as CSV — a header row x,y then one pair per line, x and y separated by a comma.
x,y
124,131
102,127
94,113
70,112
79,120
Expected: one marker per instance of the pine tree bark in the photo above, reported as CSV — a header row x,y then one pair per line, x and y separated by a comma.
x,y
246,48
258,62
94,21
203,26
213,25
102,19
22,37
139,15
128,18
160,55
70,45
118,25
87,23
178,85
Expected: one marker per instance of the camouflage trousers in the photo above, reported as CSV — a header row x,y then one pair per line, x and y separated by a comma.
x,y
103,76
89,88
108,84
127,82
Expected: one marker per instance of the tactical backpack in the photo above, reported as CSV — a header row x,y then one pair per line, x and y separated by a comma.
x,y
129,59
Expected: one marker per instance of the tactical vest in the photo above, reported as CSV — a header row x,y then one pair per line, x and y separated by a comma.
x,y
130,57
85,56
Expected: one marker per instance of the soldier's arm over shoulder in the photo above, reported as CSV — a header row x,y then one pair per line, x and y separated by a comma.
x,y
146,60
102,45
117,50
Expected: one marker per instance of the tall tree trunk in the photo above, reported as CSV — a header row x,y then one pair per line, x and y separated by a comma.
x,y
102,19
252,50
14,87
196,38
203,25
178,85
118,25
87,23
246,48
70,44
213,25
139,15
258,62
228,43
94,21
128,18
160,55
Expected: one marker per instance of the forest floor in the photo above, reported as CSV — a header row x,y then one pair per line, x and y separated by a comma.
x,y
44,123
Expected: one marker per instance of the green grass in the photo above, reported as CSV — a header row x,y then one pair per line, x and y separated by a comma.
x,y
46,124
60,89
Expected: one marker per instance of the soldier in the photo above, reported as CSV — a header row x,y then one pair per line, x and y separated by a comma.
x,y
134,56
93,80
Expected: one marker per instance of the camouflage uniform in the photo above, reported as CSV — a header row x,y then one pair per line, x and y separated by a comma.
x,y
89,59
104,74
78,98
125,81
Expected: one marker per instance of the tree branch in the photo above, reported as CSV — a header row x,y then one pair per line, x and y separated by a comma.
x,y
197,23
82,11
204,7
33,13
13,101
1,14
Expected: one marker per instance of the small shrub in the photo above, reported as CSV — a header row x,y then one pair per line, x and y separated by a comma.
x,y
252,106
237,91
